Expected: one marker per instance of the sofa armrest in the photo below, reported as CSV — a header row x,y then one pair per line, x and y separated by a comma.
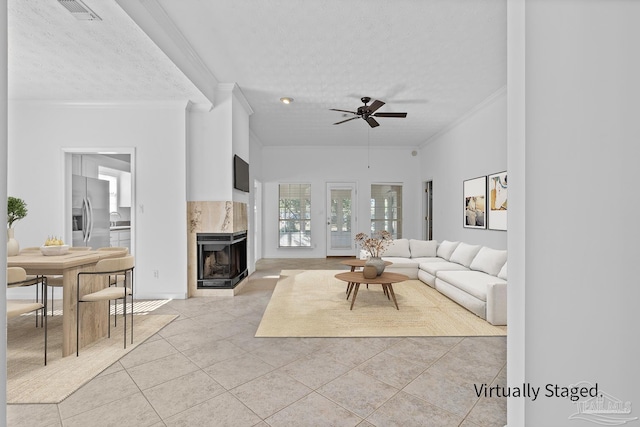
x,y
497,303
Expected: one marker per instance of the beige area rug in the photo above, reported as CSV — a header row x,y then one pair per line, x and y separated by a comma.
x,y
312,303
29,381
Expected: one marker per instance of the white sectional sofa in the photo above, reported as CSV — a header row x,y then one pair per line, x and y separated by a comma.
x,y
474,276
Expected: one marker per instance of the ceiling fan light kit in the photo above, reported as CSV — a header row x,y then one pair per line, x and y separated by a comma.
x,y
368,112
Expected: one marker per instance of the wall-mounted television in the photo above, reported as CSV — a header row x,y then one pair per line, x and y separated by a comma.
x,y
240,174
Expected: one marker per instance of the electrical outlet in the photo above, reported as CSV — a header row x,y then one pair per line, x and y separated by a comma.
x,y
156,274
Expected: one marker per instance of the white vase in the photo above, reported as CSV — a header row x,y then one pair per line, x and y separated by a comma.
x,y
13,248
377,262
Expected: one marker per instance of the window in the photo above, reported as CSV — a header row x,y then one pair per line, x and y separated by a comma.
x,y
295,215
386,209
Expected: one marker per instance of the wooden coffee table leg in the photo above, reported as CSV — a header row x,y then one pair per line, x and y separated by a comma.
x,y
349,289
355,294
385,289
390,287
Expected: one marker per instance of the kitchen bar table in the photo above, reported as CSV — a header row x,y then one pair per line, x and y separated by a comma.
x,y
94,316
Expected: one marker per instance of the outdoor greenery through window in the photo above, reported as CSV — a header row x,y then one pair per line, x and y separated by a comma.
x,y
386,209
295,215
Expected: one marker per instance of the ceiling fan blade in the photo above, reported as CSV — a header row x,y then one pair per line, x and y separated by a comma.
x,y
352,118
343,111
401,115
375,105
372,122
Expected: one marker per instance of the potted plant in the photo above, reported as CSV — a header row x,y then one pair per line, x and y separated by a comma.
x,y
16,210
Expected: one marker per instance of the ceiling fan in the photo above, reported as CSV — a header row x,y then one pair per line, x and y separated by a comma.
x,y
368,112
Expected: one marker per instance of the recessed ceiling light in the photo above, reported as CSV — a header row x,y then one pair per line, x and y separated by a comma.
x,y
286,100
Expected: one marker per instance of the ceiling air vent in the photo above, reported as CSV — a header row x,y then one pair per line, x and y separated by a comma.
x,y
80,10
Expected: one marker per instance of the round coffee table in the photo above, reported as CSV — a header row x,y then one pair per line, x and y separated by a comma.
x,y
357,263
355,278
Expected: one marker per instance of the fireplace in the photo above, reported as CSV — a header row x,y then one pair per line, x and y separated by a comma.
x,y
222,259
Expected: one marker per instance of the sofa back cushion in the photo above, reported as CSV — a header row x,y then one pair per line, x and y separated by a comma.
x,y
446,248
464,254
489,261
398,247
423,248
503,272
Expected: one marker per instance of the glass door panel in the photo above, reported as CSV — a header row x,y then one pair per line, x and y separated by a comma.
x,y
340,219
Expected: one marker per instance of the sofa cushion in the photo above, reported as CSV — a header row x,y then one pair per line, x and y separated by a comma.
x,y
472,282
427,259
434,267
400,262
423,248
446,248
503,272
489,260
464,254
399,248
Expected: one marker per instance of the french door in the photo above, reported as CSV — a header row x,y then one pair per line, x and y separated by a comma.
x,y
341,218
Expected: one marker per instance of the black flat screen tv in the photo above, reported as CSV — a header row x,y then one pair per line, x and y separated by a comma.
x,y
240,174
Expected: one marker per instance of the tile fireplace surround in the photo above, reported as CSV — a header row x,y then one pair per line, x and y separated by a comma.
x,y
211,217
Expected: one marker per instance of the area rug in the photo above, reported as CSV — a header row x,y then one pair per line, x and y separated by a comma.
x,y
29,381
312,303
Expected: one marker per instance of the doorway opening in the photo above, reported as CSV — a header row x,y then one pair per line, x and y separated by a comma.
x,y
116,169
428,210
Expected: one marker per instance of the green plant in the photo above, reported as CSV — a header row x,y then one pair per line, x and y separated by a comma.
x,y
16,209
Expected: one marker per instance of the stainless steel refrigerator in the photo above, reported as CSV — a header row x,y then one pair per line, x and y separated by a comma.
x,y
90,212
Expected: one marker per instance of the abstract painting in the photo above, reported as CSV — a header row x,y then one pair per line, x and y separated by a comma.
x,y
475,194
498,201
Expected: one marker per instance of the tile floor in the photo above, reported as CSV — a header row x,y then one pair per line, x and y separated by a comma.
x,y
207,369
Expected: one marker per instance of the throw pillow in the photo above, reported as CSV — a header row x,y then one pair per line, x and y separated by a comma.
x,y
423,248
446,248
503,272
399,248
464,254
489,260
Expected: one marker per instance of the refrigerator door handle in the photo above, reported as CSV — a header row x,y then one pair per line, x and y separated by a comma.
x,y
85,219
90,219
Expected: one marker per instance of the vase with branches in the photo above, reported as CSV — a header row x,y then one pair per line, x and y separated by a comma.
x,y
375,245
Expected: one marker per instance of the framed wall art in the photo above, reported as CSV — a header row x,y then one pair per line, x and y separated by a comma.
x,y
497,201
475,195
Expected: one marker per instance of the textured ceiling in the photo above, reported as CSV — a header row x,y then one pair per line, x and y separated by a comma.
x,y
55,57
434,59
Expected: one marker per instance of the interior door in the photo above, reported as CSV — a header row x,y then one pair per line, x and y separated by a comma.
x,y
428,209
341,219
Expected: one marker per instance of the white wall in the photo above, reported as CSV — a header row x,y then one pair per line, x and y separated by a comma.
x,y
582,134
3,196
37,134
254,211
319,165
475,146
210,152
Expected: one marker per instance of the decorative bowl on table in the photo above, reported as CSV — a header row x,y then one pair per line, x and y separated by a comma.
x,y
54,250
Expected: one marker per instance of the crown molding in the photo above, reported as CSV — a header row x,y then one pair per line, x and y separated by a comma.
x,y
234,89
